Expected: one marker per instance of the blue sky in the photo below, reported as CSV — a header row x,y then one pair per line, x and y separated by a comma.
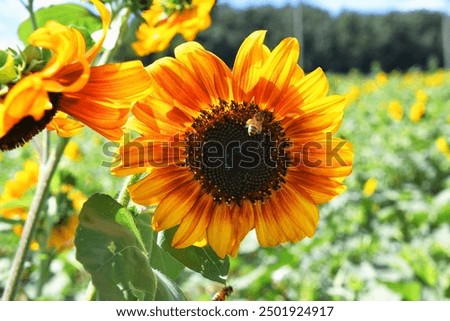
x,y
15,13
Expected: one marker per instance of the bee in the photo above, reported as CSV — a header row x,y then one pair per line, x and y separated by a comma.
x,y
255,125
223,294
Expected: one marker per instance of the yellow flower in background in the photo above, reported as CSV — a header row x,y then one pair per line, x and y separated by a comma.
x,y
381,78
63,232
370,186
352,94
266,99
73,152
437,78
164,20
421,96
16,188
442,146
99,97
417,111
395,109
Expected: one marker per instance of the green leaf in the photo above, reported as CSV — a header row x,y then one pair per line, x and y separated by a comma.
x,y
68,14
410,291
200,259
159,259
422,264
167,290
110,248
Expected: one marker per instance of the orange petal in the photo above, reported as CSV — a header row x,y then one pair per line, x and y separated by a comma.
x,y
332,157
158,184
267,229
106,21
220,230
176,85
209,69
321,189
122,82
323,115
194,224
104,117
243,222
276,73
26,98
304,91
175,205
160,116
249,59
64,126
299,208
285,220
139,155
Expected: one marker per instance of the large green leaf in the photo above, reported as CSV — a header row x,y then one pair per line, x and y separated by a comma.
x,y
166,289
159,259
200,259
68,14
112,249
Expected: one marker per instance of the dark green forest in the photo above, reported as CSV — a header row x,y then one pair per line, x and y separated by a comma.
x,y
336,43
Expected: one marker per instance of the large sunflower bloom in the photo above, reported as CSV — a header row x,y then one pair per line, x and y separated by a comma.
x,y
231,151
162,23
99,97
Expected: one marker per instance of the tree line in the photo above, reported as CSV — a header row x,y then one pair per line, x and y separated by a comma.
x,y
350,40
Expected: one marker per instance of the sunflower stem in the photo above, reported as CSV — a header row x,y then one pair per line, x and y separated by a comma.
x,y
30,10
124,196
45,175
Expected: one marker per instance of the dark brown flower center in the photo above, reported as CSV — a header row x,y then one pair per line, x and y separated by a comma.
x,y
237,151
28,127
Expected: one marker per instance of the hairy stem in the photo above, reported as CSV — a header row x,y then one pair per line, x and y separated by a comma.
x,y
45,175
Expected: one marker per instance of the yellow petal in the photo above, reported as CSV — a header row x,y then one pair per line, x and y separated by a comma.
x,y
249,59
212,72
220,230
194,224
174,206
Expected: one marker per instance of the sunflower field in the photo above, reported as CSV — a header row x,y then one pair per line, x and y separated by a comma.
x,y
103,231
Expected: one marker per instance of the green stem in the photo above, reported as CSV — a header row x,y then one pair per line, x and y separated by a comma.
x,y
30,10
44,271
124,197
45,175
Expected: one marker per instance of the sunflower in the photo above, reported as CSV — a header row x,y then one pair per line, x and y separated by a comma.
x,y
234,150
99,97
164,20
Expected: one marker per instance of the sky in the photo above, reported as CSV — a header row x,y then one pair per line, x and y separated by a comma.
x,y
11,17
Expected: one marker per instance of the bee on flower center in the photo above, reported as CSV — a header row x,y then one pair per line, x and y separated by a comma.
x,y
255,124
223,294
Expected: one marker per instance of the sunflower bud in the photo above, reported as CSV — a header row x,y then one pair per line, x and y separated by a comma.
x,y
8,70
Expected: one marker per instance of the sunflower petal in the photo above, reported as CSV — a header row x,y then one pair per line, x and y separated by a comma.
x,y
267,229
220,230
175,206
159,183
194,224
209,69
276,73
249,59
299,207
